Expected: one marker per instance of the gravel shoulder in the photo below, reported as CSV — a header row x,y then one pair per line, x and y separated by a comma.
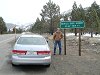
x,y
73,64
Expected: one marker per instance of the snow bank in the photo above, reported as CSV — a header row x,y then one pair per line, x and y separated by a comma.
x,y
86,37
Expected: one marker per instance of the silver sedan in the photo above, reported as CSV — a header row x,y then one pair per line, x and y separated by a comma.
x,y
31,49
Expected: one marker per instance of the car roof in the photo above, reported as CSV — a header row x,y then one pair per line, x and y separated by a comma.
x,y
34,35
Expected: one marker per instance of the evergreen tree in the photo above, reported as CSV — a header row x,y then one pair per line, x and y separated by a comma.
x,y
3,27
51,15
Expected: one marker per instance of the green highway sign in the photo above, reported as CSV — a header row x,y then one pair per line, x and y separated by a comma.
x,y
72,24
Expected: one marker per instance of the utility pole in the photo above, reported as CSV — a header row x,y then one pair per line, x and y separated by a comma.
x,y
15,32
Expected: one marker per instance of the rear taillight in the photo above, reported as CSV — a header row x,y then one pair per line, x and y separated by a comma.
x,y
20,52
43,52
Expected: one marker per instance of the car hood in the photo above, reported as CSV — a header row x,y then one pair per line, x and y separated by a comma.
x,y
31,47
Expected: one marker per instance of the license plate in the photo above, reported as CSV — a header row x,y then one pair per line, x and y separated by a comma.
x,y
31,53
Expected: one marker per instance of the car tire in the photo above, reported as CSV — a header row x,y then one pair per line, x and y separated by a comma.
x,y
47,65
14,65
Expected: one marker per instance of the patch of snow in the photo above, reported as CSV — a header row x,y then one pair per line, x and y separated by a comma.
x,y
70,34
89,35
84,37
98,35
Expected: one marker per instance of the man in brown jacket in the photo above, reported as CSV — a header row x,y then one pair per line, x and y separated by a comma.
x,y
57,36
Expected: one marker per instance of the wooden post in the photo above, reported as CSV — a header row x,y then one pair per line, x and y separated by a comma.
x,y
64,41
15,32
79,42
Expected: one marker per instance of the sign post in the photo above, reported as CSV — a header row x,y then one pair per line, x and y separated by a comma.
x,y
72,24
79,42
64,41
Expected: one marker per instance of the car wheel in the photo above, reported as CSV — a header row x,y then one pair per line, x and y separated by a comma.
x,y
14,65
47,65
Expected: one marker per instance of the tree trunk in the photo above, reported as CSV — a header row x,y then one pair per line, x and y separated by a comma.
x,y
91,34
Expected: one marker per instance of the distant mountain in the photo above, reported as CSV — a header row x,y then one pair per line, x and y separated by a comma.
x,y
10,25
23,27
26,27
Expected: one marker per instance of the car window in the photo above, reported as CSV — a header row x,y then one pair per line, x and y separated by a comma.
x,y
31,41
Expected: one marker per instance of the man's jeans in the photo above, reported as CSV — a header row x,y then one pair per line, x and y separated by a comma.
x,y
59,45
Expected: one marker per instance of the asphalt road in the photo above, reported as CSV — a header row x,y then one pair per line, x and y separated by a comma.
x,y
6,44
70,64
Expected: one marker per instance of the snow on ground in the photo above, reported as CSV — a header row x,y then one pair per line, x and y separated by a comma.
x,y
89,35
85,37
70,34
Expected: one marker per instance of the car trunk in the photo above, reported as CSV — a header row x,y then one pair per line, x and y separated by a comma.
x,y
32,50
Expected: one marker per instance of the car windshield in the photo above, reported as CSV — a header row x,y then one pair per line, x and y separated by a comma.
x,y
31,41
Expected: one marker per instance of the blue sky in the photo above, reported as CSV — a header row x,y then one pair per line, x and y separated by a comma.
x,y
26,11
